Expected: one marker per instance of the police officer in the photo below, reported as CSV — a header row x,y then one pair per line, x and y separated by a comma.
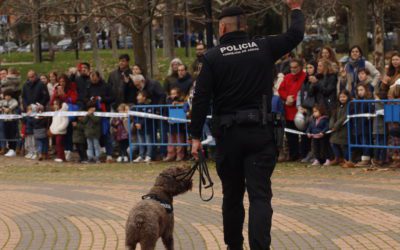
x,y
237,76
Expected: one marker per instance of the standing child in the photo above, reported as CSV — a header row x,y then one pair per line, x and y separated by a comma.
x,y
362,127
78,138
92,132
58,128
28,133
176,130
9,106
319,125
145,129
364,77
120,128
338,138
381,93
40,125
394,128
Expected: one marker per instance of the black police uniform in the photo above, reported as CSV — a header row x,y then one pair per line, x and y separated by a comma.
x,y
236,75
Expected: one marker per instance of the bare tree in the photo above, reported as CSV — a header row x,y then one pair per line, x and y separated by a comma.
x,y
168,29
378,13
135,16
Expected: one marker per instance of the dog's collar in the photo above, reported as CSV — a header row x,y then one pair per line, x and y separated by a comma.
x,y
165,204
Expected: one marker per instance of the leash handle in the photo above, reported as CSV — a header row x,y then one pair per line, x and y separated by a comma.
x,y
204,176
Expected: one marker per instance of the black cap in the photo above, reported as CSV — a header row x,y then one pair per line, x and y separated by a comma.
x,y
231,11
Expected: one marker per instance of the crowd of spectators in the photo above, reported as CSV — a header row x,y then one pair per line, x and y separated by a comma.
x,y
312,96
315,96
39,137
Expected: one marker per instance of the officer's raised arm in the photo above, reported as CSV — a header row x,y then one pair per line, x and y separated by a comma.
x,y
201,104
284,43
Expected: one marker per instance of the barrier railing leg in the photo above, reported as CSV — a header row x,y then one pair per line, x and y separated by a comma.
x,y
130,138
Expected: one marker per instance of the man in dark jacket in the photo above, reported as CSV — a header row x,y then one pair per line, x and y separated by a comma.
x,y
99,90
196,65
82,84
34,91
153,89
237,76
117,80
185,81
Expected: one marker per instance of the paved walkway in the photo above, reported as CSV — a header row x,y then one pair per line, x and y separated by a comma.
x,y
314,209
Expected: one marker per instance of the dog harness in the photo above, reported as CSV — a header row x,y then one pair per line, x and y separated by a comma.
x,y
165,204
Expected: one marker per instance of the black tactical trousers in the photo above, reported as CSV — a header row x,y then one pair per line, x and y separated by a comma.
x,y
246,157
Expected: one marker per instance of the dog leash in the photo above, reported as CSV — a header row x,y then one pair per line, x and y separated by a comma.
x,y
205,180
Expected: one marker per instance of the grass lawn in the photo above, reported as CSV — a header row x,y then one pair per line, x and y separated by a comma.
x,y
66,59
19,169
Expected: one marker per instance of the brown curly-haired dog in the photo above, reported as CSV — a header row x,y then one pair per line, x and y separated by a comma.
x,y
153,217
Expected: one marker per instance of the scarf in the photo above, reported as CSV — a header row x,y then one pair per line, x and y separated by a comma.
x,y
352,68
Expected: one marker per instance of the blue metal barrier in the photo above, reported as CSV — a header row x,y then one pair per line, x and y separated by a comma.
x,y
156,132
368,123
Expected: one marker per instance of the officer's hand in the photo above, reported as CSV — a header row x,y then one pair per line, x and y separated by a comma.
x,y
294,4
196,146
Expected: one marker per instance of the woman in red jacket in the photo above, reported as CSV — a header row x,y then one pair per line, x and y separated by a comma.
x,y
66,91
288,91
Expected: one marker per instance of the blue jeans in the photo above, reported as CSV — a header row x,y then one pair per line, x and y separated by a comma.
x,y
145,150
93,149
206,128
340,151
364,139
42,145
107,141
379,153
2,136
163,129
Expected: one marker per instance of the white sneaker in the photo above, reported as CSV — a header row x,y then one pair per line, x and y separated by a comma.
x,y
10,153
29,155
126,159
139,159
147,159
119,159
68,155
34,156
316,163
327,162
209,141
58,160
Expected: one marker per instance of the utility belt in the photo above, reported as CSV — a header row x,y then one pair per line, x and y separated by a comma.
x,y
248,117
251,117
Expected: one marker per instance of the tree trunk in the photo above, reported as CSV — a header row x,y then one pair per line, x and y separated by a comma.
x,y
379,59
93,37
139,53
168,29
124,35
36,31
358,25
95,49
114,35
